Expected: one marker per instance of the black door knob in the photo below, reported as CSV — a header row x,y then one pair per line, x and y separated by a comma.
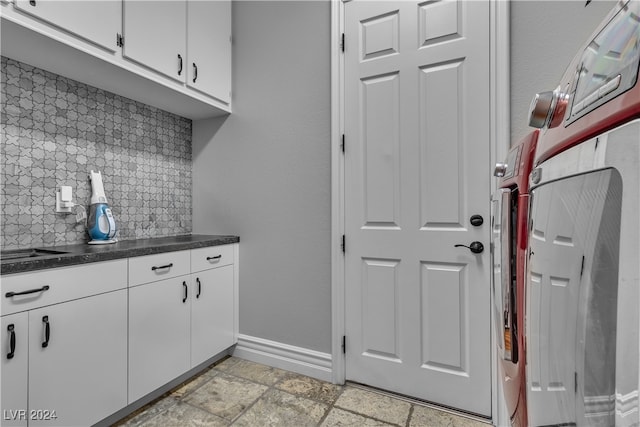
x,y
476,220
475,247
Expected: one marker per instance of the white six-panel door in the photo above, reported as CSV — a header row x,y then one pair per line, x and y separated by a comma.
x,y
417,167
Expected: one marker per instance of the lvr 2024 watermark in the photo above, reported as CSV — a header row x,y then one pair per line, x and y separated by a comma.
x,y
33,414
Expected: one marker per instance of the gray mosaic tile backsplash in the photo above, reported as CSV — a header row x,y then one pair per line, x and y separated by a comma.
x,y
55,130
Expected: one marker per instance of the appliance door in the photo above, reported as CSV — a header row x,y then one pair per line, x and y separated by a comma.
x,y
582,298
503,284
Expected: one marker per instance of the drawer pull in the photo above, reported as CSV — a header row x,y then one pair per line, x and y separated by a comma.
x,y
155,267
209,258
47,331
12,339
199,287
184,284
30,291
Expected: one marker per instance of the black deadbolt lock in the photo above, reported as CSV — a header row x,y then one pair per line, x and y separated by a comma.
x,y
476,220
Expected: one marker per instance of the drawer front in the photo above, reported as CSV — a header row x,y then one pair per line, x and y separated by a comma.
x,y
151,268
211,257
56,285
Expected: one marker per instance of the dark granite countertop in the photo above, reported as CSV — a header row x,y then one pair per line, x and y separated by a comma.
x,y
84,253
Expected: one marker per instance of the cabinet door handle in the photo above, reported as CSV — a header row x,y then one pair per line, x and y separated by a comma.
x,y
179,64
210,258
184,285
32,2
155,267
30,291
199,287
195,72
12,341
47,331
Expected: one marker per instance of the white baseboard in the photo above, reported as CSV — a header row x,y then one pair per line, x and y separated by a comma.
x,y
627,404
603,406
284,356
596,407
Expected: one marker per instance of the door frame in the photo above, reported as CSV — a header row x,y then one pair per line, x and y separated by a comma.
x,y
500,136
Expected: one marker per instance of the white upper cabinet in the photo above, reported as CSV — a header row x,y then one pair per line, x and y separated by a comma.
x,y
209,47
155,35
171,54
98,21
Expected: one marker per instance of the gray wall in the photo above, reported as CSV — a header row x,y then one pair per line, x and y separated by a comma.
x,y
545,36
264,172
55,130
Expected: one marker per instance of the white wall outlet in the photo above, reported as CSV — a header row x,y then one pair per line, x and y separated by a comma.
x,y
64,199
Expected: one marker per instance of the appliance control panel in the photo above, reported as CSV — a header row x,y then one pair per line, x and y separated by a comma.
x,y
609,64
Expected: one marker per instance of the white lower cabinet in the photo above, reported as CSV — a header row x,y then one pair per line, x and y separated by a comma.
x,y
158,334
64,364
14,368
211,313
77,345
80,376
179,322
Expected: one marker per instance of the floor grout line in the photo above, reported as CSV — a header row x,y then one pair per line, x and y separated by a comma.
x,y
411,409
331,406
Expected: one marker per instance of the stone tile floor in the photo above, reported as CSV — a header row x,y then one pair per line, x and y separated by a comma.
x,y
236,392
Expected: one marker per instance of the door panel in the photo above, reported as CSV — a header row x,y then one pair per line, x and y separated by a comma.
x,y
441,131
380,36
381,150
439,21
443,301
380,311
416,169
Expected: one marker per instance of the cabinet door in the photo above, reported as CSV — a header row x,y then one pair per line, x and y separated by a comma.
x,y
13,368
98,21
155,35
212,311
158,334
209,47
79,368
